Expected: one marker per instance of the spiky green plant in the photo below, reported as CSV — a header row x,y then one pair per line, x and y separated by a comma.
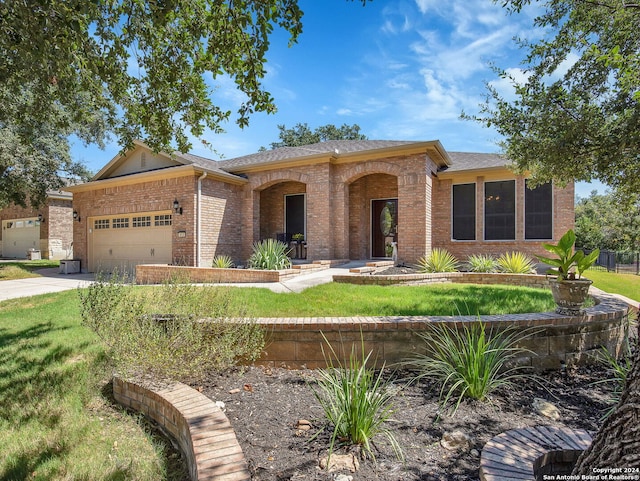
x,y
356,401
439,260
482,263
270,254
619,369
469,362
515,263
222,262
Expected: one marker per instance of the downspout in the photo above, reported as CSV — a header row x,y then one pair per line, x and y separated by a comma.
x,y
199,218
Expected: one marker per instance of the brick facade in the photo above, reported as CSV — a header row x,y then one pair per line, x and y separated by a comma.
x,y
56,230
240,207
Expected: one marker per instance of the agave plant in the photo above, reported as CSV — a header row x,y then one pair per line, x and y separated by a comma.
x,y
222,262
270,254
482,263
515,263
440,260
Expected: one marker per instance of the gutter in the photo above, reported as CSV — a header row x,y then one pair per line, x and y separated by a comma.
x,y
199,218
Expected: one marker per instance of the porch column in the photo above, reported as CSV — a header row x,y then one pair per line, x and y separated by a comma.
x,y
250,221
340,220
414,216
319,216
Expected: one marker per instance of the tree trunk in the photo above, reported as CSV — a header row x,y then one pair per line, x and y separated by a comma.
x,y
617,443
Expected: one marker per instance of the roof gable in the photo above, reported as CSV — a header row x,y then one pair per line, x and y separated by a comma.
x,y
139,159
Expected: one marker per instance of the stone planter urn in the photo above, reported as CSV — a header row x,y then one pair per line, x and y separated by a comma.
x,y
569,295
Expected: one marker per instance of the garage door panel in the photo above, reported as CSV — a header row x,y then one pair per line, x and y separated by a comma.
x,y
125,247
18,236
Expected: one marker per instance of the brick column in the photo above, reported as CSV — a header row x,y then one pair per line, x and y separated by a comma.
x,y
319,215
414,216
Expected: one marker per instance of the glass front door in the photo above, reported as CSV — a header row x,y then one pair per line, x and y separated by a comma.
x,y
384,227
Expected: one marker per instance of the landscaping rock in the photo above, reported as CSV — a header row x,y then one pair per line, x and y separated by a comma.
x,y
340,462
455,440
545,408
343,477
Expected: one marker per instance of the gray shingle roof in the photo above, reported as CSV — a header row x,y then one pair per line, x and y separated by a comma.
x,y
461,161
328,148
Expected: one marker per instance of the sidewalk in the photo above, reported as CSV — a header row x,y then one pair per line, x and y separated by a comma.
x,y
53,281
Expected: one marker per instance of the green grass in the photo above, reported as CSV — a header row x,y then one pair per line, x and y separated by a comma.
x,y
24,269
335,299
56,418
627,285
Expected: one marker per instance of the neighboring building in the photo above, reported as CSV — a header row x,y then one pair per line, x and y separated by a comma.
x,y
47,230
349,199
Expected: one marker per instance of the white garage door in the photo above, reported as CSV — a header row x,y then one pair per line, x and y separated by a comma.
x,y
18,236
121,242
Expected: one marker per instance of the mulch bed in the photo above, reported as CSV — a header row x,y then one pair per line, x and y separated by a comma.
x,y
265,405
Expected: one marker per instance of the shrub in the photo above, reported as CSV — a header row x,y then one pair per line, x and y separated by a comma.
x,y
356,401
440,260
222,262
482,263
470,363
515,263
270,254
177,331
619,369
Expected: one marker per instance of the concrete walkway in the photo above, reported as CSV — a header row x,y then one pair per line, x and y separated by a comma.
x,y
52,281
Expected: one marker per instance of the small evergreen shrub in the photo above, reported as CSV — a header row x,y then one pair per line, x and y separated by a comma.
x,y
482,263
222,262
440,260
515,263
470,362
270,254
356,401
178,330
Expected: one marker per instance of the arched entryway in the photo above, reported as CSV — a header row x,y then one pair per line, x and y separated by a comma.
x,y
283,210
373,216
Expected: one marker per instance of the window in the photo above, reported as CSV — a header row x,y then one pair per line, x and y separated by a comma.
x,y
538,212
143,221
161,220
500,210
120,223
101,224
464,212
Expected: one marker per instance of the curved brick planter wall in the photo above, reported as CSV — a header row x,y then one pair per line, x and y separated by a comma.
x,y
297,342
200,427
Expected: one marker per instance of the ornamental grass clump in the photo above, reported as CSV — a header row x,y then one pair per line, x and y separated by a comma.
x,y
222,262
439,260
619,370
356,401
177,331
515,263
482,263
270,254
469,362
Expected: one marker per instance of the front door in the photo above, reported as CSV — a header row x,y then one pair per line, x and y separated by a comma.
x,y
384,227
294,215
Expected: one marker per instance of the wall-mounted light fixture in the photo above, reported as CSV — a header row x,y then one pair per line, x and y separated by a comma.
x,y
176,207
76,216
40,218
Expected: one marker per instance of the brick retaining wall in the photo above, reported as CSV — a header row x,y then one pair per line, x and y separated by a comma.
x,y
159,273
299,342
201,429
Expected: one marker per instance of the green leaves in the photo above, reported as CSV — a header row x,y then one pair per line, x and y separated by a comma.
x,y
270,254
575,115
439,260
566,259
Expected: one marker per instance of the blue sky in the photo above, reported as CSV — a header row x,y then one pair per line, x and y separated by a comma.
x,y
401,69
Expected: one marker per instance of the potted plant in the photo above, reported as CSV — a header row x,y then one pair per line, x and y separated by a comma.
x,y
297,237
569,289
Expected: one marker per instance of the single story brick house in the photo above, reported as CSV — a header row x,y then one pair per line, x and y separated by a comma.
x,y
47,229
347,199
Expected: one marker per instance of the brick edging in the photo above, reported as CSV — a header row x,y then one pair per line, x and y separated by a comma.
x,y
201,429
520,453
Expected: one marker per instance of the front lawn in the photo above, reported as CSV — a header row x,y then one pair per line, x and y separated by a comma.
x,y
24,269
334,299
56,418
627,285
